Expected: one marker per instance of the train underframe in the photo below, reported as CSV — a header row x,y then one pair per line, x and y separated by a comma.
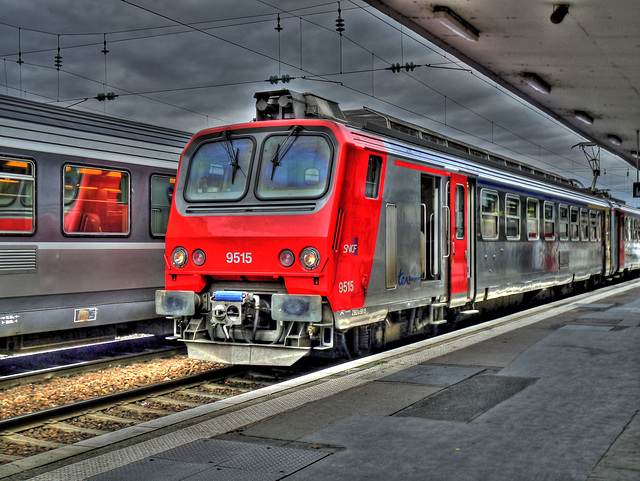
x,y
264,325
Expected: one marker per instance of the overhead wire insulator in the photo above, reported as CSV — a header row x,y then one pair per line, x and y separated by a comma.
x,y
104,42
58,57
101,97
408,67
339,21
278,27
20,61
285,79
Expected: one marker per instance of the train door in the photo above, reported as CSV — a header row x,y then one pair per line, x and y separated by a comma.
x,y
430,228
459,252
608,242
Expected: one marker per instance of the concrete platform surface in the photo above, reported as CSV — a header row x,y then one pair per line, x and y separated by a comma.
x,y
553,394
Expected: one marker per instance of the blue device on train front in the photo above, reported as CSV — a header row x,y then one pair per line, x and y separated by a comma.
x,y
229,296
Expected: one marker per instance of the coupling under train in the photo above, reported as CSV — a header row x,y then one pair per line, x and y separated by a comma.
x,y
316,231
84,203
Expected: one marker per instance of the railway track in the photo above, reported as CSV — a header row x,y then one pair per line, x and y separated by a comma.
x,y
42,431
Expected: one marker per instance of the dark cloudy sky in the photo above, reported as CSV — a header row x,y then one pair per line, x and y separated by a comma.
x,y
194,64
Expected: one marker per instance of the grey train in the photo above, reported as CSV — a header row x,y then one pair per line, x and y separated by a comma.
x,y
84,203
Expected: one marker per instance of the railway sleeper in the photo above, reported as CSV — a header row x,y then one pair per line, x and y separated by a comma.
x,y
70,428
21,439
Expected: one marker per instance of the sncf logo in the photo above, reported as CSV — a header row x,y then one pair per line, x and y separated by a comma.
x,y
351,248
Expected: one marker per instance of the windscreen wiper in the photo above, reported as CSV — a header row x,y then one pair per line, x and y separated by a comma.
x,y
233,155
283,148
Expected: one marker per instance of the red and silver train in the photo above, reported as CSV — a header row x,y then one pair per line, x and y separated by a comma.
x,y
84,203
308,231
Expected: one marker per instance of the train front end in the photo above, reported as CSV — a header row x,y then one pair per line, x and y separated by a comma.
x,y
249,244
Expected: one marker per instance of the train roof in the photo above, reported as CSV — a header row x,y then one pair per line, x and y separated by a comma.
x,y
382,123
54,116
37,126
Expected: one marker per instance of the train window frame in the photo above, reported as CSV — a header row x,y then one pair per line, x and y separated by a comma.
x,y
584,225
593,225
153,219
549,221
190,195
489,219
460,227
259,191
575,223
89,219
513,219
533,222
26,190
374,174
563,221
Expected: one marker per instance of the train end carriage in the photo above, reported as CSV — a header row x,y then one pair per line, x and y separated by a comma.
x,y
628,234
534,237
84,202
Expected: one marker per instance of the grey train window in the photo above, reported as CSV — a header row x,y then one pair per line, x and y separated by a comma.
x,y
162,187
533,219
17,177
512,216
549,221
563,214
489,214
96,201
594,226
372,184
584,225
575,224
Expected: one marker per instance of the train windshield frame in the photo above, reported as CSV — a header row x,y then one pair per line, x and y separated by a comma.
x,y
220,170
294,166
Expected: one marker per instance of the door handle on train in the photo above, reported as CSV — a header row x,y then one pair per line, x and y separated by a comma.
x,y
447,233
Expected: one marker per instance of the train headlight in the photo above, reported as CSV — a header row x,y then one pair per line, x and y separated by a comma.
x,y
179,257
198,257
310,258
287,258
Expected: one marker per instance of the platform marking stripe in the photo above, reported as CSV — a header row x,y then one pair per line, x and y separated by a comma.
x,y
363,372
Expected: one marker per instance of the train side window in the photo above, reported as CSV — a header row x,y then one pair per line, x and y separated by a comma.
x,y
513,216
584,225
593,230
162,187
372,184
96,201
460,227
575,224
599,226
563,214
549,221
17,214
533,219
489,215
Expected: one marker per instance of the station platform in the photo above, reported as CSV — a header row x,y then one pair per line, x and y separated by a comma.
x,y
550,394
